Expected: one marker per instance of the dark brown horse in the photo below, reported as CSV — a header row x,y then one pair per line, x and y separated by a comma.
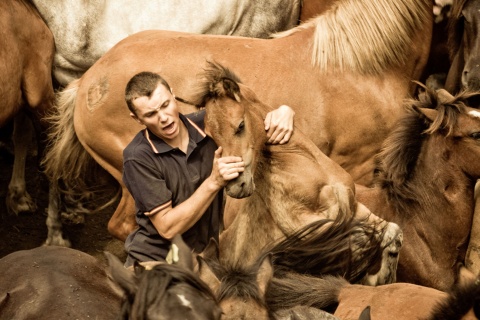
x,y
283,187
157,290
464,46
427,172
52,282
26,89
315,68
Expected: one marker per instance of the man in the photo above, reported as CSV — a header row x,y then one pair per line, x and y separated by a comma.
x,y
175,172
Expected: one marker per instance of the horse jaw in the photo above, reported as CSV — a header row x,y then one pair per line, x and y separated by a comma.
x,y
241,187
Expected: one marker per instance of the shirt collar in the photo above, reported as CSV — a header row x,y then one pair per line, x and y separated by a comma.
x,y
195,135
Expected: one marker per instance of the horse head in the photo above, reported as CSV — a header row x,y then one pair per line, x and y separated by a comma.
x,y
240,291
234,123
464,43
159,290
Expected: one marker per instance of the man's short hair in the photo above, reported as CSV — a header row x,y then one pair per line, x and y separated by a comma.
x,y
142,85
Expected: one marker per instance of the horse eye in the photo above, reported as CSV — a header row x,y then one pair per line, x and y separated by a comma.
x,y
475,135
240,127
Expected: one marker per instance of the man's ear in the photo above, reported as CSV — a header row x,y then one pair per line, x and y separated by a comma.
x,y
134,117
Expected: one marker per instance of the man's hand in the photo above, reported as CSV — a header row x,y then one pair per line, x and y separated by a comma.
x,y
279,125
226,168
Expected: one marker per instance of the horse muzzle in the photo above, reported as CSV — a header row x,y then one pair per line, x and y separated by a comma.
x,y
241,187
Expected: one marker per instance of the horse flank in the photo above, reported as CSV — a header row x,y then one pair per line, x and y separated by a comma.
x,y
340,37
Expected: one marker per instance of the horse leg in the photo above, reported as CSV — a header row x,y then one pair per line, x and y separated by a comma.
x,y
472,259
18,200
122,223
54,223
391,242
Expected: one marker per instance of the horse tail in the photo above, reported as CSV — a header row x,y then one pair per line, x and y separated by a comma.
x,y
343,246
67,163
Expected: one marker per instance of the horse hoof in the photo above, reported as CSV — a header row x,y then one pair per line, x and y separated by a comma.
x,y
392,242
58,241
20,202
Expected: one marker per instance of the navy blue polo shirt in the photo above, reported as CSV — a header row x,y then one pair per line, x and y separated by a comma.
x,y
157,174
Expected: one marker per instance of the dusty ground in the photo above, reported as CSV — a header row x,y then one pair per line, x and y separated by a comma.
x,y
28,231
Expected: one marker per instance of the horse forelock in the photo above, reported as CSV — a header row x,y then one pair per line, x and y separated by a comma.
x,y
455,27
155,283
387,26
208,87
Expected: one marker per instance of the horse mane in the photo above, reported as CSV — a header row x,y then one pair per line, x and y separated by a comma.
x,y
340,36
398,157
455,27
327,247
236,281
460,300
154,284
294,289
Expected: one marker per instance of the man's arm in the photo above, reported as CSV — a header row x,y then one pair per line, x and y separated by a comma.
x,y
170,221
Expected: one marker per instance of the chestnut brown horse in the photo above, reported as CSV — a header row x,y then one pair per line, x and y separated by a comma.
x,y
283,187
315,68
25,87
399,301
427,172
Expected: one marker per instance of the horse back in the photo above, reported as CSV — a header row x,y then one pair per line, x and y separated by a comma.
x,y
55,283
401,301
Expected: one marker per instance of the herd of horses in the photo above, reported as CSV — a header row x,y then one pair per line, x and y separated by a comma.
x,y
367,212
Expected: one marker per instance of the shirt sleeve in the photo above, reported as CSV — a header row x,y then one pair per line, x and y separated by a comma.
x,y
147,185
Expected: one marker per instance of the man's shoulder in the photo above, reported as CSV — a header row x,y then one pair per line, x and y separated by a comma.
x,y
197,118
136,146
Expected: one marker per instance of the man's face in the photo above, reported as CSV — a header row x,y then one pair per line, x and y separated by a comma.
x,y
158,113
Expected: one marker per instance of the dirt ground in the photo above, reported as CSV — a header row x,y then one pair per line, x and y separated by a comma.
x,y
27,231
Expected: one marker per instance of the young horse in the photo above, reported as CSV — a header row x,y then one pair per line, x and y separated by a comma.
x,y
315,68
85,30
327,241
25,86
427,172
283,187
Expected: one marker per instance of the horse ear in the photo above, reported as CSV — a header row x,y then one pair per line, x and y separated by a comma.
x,y
206,274
125,278
265,274
428,114
211,250
232,90
365,315
180,253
